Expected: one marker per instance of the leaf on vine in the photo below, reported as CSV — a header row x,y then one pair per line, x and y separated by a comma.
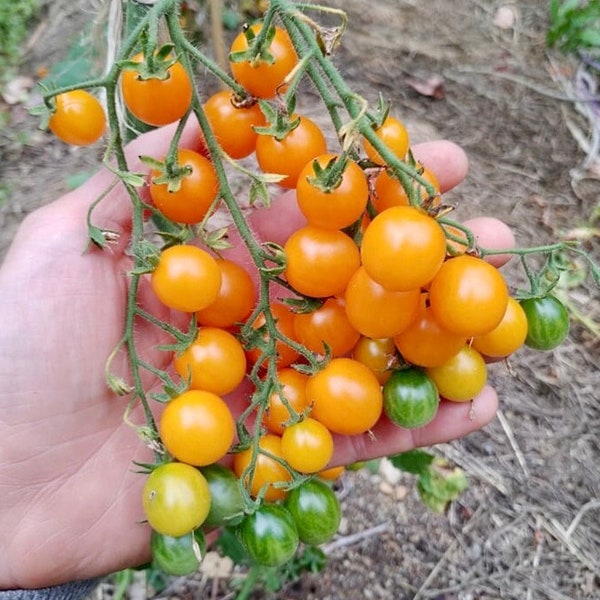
x,y
97,237
259,193
127,177
118,385
217,239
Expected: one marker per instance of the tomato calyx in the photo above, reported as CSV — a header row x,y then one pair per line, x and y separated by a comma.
x,y
152,65
382,111
171,172
329,177
280,121
275,254
258,47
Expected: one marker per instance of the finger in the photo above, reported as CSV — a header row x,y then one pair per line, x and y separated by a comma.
x,y
446,160
453,420
492,234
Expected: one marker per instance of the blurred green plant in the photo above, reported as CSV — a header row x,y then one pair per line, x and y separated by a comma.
x,y
438,482
15,18
575,25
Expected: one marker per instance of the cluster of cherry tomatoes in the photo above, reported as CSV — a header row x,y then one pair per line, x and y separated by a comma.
x,y
397,312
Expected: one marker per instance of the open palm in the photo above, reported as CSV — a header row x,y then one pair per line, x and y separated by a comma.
x,y
69,497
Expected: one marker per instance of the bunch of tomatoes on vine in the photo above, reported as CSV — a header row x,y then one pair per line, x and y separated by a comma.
x,y
379,306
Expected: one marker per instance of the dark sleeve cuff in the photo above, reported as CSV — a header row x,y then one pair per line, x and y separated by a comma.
x,y
75,590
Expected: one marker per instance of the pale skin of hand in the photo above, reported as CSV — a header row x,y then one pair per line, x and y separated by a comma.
x,y
70,501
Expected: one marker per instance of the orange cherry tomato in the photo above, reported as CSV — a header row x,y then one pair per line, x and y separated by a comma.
x,y
157,101
292,385
215,361
235,300
425,343
379,354
78,118
233,124
320,261
468,296
328,326
197,427
289,155
403,248
267,471
390,192
461,377
263,78
394,135
345,396
508,336
376,312
334,208
284,319
186,278
307,446
332,474
197,191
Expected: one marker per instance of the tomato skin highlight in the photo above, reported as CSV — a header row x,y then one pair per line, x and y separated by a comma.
x,y
78,118
198,190
410,398
316,511
263,79
176,499
269,535
547,322
186,278
197,427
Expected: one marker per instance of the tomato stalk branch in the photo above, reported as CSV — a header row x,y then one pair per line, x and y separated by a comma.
x,y
298,29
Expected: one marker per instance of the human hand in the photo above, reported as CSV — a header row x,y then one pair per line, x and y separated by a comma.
x,y
70,502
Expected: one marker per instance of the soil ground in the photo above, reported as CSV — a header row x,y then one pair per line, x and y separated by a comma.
x,y
528,526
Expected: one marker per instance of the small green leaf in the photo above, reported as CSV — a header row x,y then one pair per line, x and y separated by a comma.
x,y
217,239
413,461
259,192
